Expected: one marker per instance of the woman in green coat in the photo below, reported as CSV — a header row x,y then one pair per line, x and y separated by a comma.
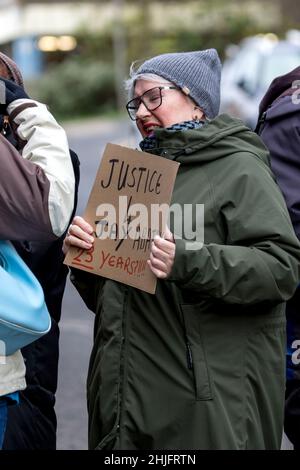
x,y
200,364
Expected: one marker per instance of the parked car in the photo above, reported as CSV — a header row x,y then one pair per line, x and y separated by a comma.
x,y
249,70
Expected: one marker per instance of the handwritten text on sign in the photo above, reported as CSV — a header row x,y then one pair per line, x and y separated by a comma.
x,y
127,207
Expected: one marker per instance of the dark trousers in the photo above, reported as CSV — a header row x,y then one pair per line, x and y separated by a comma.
x,y
3,418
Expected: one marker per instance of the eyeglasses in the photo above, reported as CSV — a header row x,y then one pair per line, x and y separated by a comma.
x,y
151,99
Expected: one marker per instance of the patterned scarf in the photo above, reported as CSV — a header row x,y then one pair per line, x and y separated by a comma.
x,y
150,142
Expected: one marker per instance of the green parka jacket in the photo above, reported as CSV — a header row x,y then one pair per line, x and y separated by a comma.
x,y
201,364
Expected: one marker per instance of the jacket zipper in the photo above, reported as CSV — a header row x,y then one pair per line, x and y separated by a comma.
x,y
189,355
260,122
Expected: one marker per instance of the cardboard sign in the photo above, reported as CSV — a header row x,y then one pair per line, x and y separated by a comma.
x,y
127,207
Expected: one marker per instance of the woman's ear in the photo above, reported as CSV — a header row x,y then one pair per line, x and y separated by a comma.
x,y
198,114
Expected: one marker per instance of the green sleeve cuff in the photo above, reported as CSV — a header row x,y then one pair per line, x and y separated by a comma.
x,y
177,272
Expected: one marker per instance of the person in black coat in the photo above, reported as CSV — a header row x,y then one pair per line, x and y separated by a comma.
x,y
32,424
279,128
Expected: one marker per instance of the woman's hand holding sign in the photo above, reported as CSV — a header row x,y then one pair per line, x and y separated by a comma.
x,y
79,235
162,255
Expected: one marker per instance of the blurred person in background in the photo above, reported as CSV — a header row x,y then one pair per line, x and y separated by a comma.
x,y
200,364
279,128
38,198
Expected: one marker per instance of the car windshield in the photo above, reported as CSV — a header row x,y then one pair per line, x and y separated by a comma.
x,y
278,64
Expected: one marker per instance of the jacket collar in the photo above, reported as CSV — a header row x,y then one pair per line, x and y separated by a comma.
x,y
173,144
151,142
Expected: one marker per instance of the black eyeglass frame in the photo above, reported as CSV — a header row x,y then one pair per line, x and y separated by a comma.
x,y
140,100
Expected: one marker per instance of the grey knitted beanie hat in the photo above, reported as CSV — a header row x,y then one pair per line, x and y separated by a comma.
x,y
197,73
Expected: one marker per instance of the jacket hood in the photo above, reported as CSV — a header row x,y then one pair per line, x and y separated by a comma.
x,y
10,70
278,86
282,107
219,138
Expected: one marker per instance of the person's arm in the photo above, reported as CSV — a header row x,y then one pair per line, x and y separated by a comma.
x,y
24,193
36,191
260,260
45,145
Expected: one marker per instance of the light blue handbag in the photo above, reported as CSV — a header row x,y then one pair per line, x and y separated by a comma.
x,y
23,313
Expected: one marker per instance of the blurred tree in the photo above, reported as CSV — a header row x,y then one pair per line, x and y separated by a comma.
x,y
76,88
142,28
119,51
290,13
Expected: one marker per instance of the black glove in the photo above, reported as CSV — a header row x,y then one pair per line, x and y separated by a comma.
x,y
9,92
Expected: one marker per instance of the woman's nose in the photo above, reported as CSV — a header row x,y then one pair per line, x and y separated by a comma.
x,y
142,111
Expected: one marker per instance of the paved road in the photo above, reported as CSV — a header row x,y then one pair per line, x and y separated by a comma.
x,y
88,141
